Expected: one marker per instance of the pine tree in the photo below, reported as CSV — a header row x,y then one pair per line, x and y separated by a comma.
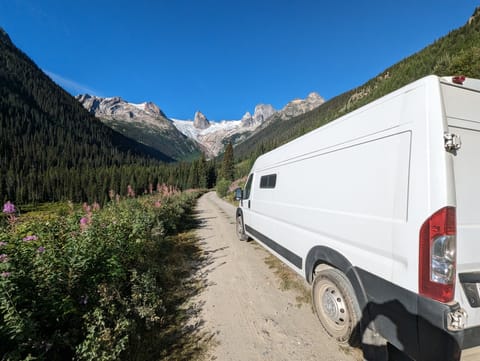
x,y
228,170
202,172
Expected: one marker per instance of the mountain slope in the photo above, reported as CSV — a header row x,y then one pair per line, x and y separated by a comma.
x,y
45,131
456,53
144,122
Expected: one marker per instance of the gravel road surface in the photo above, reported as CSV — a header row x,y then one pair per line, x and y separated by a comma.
x,y
250,317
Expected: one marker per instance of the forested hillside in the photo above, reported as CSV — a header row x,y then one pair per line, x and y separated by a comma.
x,y
51,148
454,54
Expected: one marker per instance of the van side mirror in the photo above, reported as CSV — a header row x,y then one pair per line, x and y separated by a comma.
x,y
238,194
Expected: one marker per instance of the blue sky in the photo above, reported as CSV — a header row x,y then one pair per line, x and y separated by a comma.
x,y
223,57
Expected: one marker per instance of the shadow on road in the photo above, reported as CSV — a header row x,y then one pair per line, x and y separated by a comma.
x,y
410,334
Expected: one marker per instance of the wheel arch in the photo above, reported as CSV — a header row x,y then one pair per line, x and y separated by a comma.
x,y
328,256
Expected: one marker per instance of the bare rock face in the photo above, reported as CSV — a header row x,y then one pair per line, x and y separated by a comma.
x,y
144,122
247,120
115,108
200,121
262,113
301,106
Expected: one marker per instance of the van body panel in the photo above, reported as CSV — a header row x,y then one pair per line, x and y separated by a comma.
x,y
363,185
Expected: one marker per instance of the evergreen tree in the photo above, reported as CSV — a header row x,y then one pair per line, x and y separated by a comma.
x,y
202,172
228,169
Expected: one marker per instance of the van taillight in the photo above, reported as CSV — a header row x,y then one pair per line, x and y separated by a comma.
x,y
437,256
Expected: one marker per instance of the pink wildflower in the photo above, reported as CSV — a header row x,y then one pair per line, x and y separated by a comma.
x,y
86,208
40,249
5,274
9,208
30,238
3,244
3,258
157,204
84,222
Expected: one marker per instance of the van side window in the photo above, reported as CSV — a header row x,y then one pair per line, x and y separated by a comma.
x,y
268,181
248,187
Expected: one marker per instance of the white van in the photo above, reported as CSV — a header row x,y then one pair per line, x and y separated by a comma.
x,y
380,211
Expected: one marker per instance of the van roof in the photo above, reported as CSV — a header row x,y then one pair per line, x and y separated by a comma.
x,y
462,82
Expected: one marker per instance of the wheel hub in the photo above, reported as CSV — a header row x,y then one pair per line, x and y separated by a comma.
x,y
334,306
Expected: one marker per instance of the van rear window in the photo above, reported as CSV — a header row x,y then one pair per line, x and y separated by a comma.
x,y
268,181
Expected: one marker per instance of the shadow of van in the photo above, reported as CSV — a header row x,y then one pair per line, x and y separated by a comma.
x,y
410,337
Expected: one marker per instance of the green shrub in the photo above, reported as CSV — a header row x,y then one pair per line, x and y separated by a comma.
x,y
87,285
222,187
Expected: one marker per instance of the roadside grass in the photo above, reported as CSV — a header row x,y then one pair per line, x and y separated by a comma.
x,y
183,338
289,280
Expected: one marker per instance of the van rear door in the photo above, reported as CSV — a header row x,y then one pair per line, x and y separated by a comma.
x,y
462,107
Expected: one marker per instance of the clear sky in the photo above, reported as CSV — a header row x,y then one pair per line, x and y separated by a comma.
x,y
223,57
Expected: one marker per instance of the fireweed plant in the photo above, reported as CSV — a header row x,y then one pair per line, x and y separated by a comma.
x,y
89,285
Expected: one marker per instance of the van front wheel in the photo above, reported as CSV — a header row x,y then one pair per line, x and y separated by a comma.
x,y
240,230
336,306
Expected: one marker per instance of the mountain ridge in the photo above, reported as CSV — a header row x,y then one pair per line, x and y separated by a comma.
x,y
144,122
210,137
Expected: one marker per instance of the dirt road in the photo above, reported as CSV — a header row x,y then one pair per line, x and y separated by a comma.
x,y
250,317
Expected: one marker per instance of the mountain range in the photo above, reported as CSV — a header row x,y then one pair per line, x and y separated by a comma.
x,y
52,148
183,139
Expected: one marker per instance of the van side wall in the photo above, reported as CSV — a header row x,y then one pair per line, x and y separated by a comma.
x,y
346,186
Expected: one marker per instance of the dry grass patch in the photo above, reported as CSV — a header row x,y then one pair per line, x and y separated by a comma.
x,y
289,280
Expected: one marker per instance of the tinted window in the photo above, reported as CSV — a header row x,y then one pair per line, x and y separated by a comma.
x,y
248,187
268,181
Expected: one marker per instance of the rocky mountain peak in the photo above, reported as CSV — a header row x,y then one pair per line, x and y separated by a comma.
x,y
153,108
200,121
247,120
313,96
301,106
262,113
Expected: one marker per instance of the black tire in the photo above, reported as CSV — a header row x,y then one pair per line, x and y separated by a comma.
x,y
336,306
239,228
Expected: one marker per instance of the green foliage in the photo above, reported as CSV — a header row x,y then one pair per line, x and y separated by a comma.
x,y
228,169
222,187
168,141
95,284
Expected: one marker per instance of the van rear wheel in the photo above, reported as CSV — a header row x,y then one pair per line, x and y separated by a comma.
x,y
240,230
336,306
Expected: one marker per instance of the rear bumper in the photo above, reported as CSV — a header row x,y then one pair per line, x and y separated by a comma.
x,y
412,323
